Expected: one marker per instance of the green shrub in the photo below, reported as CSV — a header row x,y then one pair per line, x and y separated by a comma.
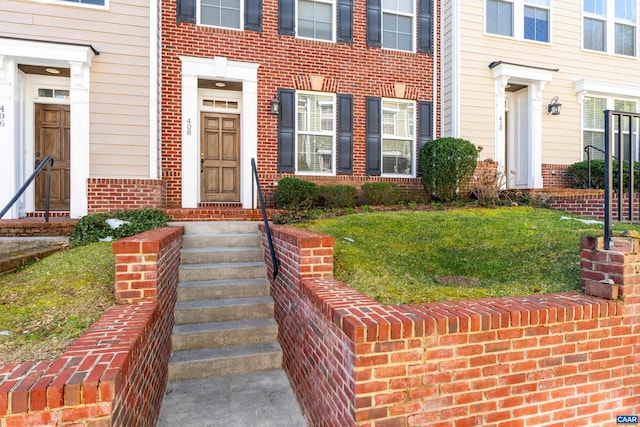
x,y
381,193
579,172
446,164
91,228
337,196
296,194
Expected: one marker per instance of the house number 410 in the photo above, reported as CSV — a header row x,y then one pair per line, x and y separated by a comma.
x,y
1,116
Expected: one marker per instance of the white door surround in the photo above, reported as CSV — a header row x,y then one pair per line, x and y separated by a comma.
x,y
14,99
535,79
217,68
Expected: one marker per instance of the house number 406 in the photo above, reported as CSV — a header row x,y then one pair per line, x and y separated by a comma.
x,y
1,116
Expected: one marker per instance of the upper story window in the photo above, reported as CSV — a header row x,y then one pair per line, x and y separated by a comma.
x,y
521,19
85,2
315,133
398,24
221,13
315,19
610,26
404,25
398,137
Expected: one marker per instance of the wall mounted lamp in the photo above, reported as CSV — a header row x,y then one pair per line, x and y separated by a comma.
x,y
554,107
275,105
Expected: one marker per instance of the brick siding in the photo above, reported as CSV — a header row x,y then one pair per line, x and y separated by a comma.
x,y
116,372
559,359
285,62
110,194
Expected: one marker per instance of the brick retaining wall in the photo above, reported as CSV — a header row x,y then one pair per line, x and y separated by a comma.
x,y
110,194
116,372
586,202
561,359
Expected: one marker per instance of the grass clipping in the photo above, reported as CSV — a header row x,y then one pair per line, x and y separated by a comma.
x,y
46,305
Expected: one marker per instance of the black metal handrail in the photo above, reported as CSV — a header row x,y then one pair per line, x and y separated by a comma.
x,y
615,136
48,162
274,260
588,149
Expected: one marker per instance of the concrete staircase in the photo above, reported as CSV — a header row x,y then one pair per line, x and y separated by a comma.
x,y
224,314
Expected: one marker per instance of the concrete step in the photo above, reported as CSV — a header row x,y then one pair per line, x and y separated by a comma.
x,y
218,361
208,240
217,227
219,334
223,310
220,289
227,270
221,255
18,244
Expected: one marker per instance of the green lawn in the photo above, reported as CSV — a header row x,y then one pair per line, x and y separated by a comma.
x,y
48,304
399,257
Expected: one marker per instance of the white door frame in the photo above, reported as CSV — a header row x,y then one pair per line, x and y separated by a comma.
x,y
535,79
217,68
13,96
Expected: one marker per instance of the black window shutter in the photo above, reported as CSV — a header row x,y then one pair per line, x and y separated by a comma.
x,y
186,11
345,21
287,17
345,134
374,135
425,126
286,130
425,32
253,15
374,23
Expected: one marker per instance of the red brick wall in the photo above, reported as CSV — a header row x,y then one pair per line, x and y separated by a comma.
x,y
555,177
110,194
115,373
586,202
561,359
285,62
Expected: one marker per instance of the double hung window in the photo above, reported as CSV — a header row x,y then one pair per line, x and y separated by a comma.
x,y
610,26
315,133
594,122
221,13
315,19
520,19
398,24
398,137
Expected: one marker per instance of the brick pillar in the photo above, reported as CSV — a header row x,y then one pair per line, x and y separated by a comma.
x,y
613,273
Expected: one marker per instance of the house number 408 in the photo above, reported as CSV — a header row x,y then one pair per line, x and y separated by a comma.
x,y
1,116
188,126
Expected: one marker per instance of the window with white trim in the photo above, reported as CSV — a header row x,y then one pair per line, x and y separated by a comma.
x,y
398,23
86,2
315,133
315,19
221,13
593,122
521,19
398,137
610,26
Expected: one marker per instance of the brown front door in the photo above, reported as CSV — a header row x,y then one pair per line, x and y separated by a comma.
x,y
220,157
52,126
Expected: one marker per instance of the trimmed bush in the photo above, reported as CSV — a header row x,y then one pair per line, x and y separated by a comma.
x,y
579,172
447,164
381,193
296,194
337,196
91,228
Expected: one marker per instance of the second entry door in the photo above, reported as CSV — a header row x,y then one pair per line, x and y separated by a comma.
x,y
220,157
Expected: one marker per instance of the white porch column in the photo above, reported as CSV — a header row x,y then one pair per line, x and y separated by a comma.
x,y
80,137
500,124
535,135
249,141
190,140
8,119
